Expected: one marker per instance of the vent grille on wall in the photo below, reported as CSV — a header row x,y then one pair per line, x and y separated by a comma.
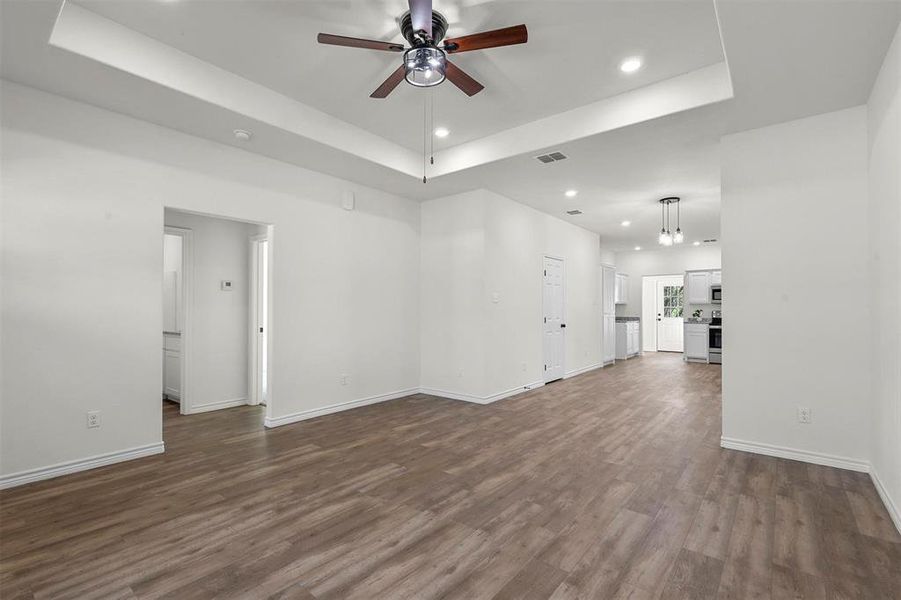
x,y
574,212
551,157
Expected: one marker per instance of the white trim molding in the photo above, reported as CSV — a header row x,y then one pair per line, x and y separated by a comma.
x,y
481,399
82,464
817,458
890,505
575,372
338,407
217,405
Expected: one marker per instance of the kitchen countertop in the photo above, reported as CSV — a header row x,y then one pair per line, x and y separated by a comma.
x,y
627,319
701,321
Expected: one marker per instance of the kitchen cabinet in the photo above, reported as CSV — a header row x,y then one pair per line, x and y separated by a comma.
x,y
695,342
608,290
621,291
627,335
698,283
716,278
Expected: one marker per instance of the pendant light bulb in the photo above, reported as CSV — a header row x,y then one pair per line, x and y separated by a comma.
x,y
662,239
678,237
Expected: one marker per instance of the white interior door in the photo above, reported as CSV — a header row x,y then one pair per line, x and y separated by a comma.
x,y
554,324
670,304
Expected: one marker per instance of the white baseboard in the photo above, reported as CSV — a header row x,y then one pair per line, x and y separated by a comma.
x,y
333,408
219,404
575,372
481,399
74,466
817,458
890,505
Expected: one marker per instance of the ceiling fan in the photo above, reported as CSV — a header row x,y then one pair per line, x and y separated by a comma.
x,y
425,63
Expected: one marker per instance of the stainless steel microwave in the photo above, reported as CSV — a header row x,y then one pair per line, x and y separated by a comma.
x,y
716,294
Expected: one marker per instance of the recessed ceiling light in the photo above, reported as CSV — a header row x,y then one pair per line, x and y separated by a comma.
x,y
441,132
626,223
697,243
637,248
242,135
630,65
571,193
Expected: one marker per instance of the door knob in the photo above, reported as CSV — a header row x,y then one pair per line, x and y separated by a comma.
x,y
562,325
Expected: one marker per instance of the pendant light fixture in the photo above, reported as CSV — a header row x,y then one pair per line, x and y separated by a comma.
x,y
666,237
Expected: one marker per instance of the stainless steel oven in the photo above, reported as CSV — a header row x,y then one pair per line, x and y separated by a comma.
x,y
715,338
716,294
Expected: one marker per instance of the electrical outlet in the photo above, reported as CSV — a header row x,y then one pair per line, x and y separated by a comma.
x,y
803,414
344,379
93,419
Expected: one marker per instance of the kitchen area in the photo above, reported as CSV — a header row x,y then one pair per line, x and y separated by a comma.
x,y
667,300
703,335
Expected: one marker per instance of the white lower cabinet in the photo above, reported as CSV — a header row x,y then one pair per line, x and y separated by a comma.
x,y
695,340
627,339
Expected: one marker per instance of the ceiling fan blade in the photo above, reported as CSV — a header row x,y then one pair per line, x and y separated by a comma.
x,y
459,78
421,15
352,42
389,84
508,36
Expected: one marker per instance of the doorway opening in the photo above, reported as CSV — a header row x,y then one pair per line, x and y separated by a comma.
x,y
216,289
259,309
663,305
554,323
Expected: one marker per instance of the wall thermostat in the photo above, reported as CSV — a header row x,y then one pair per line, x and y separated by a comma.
x,y
225,285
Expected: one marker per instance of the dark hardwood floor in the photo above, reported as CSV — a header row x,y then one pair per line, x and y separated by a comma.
x,y
608,485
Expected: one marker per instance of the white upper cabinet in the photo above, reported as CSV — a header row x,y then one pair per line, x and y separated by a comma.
x,y
622,288
716,278
698,287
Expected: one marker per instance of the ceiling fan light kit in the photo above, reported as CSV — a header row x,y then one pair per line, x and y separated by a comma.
x,y
425,62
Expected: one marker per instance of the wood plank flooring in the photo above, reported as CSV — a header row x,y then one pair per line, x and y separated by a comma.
x,y
607,485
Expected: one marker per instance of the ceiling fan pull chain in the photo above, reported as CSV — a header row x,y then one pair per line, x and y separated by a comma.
x,y
425,133
431,131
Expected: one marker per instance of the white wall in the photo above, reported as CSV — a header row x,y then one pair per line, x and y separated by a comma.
x,y
794,230
479,246
884,137
664,261
83,197
220,320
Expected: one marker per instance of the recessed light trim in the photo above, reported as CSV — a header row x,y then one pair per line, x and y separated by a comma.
x,y
626,223
242,135
442,132
637,248
697,244
571,193
630,65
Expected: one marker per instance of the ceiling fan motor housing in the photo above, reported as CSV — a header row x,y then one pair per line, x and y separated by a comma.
x,y
439,28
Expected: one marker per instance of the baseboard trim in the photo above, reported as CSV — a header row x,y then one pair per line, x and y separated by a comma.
x,y
219,404
75,466
312,413
481,399
583,370
890,505
817,458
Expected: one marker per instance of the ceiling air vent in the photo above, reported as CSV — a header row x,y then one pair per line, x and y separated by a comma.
x,y
551,157
709,241
574,212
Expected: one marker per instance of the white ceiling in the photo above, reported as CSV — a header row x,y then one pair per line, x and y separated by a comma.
x,y
787,59
571,58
